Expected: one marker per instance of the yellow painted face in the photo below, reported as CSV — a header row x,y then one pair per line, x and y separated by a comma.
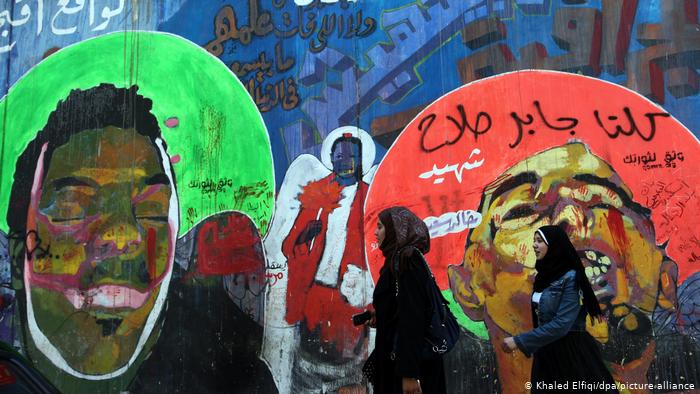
x,y
571,187
101,213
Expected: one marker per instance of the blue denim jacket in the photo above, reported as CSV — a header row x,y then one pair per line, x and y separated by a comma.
x,y
559,312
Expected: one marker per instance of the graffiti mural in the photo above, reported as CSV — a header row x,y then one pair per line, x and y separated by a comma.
x,y
188,189
489,176
323,279
93,256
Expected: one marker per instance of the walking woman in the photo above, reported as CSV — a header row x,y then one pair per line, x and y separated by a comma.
x,y
401,307
563,351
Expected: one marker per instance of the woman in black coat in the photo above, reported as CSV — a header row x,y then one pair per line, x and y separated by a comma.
x,y
402,308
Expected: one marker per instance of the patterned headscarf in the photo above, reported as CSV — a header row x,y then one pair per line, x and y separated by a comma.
x,y
403,228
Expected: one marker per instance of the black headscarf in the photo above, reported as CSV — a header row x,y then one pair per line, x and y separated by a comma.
x,y
561,257
402,228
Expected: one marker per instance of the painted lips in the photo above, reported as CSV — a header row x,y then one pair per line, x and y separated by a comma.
x,y
107,296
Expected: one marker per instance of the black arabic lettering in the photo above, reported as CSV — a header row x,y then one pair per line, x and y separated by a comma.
x,y
519,122
266,96
305,31
291,98
572,122
370,24
287,21
565,123
280,61
261,64
226,27
327,27
482,124
424,127
260,24
464,123
31,237
633,127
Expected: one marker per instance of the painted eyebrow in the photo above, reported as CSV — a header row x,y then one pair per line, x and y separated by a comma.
x,y
624,196
512,183
158,179
69,181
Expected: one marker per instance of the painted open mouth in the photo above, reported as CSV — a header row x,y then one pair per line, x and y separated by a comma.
x,y
624,344
107,296
597,266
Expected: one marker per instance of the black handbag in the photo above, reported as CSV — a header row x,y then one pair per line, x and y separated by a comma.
x,y
369,369
442,332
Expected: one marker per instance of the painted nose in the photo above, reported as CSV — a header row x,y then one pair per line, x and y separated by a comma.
x,y
574,216
119,235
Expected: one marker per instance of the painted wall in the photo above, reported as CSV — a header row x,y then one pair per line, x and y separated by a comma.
x,y
189,189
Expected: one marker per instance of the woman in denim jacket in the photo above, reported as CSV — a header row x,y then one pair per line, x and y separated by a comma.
x,y
566,357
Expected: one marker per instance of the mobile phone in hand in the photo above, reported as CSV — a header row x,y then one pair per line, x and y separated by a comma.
x,y
361,318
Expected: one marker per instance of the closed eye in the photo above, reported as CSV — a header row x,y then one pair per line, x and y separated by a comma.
x,y
160,219
521,211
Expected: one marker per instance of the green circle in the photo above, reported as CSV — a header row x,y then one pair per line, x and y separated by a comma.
x,y
220,136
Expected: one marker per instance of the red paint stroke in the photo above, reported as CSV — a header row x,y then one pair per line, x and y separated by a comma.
x,y
323,302
151,252
6,376
624,32
656,78
691,11
175,159
594,57
229,244
617,230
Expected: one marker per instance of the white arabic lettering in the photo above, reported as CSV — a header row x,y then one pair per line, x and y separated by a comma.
x,y
6,17
108,14
452,222
454,168
59,27
67,11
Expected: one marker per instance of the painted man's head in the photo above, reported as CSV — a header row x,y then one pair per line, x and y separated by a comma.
x,y
93,203
346,156
570,187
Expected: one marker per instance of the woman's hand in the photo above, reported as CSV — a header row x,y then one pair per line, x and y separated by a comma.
x,y
411,386
509,345
372,322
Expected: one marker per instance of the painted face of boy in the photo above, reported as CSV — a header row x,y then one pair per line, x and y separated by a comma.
x,y
103,211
